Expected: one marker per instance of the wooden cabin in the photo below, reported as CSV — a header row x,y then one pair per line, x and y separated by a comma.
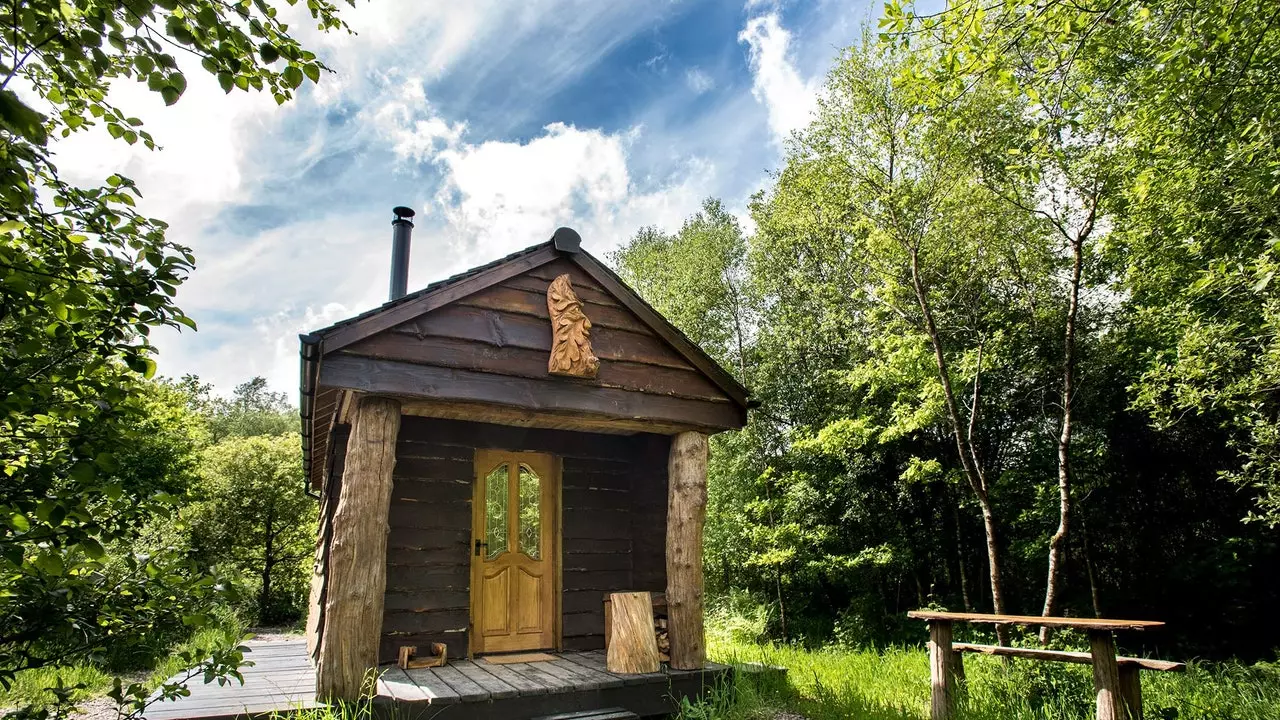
x,y
495,453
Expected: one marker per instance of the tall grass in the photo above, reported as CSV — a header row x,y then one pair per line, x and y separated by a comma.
x,y
30,687
893,684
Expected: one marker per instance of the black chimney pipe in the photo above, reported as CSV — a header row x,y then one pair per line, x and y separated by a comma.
x,y
401,234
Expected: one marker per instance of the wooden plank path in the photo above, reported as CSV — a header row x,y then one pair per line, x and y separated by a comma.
x,y
282,680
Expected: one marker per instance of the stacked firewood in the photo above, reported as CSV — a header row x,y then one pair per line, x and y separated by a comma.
x,y
664,641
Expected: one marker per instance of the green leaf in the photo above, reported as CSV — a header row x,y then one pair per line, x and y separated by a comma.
x,y
20,119
312,71
170,94
292,76
268,52
19,522
92,548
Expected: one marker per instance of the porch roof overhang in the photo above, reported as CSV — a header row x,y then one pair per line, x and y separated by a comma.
x,y
330,376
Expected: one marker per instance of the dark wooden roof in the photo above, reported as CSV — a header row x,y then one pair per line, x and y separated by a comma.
x,y
481,338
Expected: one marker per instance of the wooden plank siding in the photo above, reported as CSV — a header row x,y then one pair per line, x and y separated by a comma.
x,y
491,346
613,514
334,466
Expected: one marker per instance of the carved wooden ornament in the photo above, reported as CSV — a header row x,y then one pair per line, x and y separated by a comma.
x,y
570,333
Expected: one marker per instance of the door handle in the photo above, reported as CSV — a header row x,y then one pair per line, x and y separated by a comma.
x,y
480,544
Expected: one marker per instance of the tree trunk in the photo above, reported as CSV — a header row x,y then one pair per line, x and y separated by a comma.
x,y
1058,543
686,514
968,459
358,553
1088,566
777,576
964,576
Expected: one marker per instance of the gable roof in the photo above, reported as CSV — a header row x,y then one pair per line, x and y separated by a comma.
x,y
564,244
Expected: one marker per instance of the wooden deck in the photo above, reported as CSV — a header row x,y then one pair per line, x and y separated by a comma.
x,y
282,680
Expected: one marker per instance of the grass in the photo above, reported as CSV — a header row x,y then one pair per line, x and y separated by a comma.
x,y
893,684
29,686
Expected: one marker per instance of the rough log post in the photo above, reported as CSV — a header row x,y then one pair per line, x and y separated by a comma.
x,y
1106,676
358,553
1131,690
942,662
686,512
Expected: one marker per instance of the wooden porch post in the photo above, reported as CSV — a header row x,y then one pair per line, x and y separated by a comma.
x,y
358,553
686,513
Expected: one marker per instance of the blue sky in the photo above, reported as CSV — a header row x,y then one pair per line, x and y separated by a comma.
x,y
496,121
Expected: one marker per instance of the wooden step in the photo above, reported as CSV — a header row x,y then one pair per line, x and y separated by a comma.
x,y
601,714
1081,658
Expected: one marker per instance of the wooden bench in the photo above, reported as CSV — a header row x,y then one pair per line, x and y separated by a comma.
x,y
1115,679
1130,683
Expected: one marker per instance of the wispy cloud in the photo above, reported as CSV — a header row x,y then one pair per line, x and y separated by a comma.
x,y
698,80
487,119
789,97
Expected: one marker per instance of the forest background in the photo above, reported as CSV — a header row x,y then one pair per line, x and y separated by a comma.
x,y
1008,308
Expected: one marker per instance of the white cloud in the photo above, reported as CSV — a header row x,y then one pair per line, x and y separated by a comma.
x,y
777,84
698,80
316,257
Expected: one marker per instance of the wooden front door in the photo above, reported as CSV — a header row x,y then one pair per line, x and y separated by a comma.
x,y
515,552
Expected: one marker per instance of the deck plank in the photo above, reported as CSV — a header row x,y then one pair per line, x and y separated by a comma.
x,y
396,684
564,671
606,679
599,660
553,684
477,673
438,691
282,681
523,685
467,689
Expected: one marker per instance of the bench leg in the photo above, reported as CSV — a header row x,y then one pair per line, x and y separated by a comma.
x,y
957,671
942,663
1106,676
1131,690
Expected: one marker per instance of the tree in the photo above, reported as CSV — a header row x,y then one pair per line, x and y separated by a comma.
x,y
253,409
86,277
1140,119
255,514
696,278
878,189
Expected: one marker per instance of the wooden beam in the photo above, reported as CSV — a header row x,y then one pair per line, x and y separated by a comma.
x,y
386,377
1131,690
686,513
357,576
632,300
1068,656
942,660
1088,624
338,337
1106,676
515,417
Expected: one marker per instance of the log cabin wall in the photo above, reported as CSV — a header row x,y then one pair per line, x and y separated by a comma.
x,y
492,346
613,510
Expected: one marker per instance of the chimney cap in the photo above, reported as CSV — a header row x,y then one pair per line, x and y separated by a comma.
x,y
567,240
402,213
